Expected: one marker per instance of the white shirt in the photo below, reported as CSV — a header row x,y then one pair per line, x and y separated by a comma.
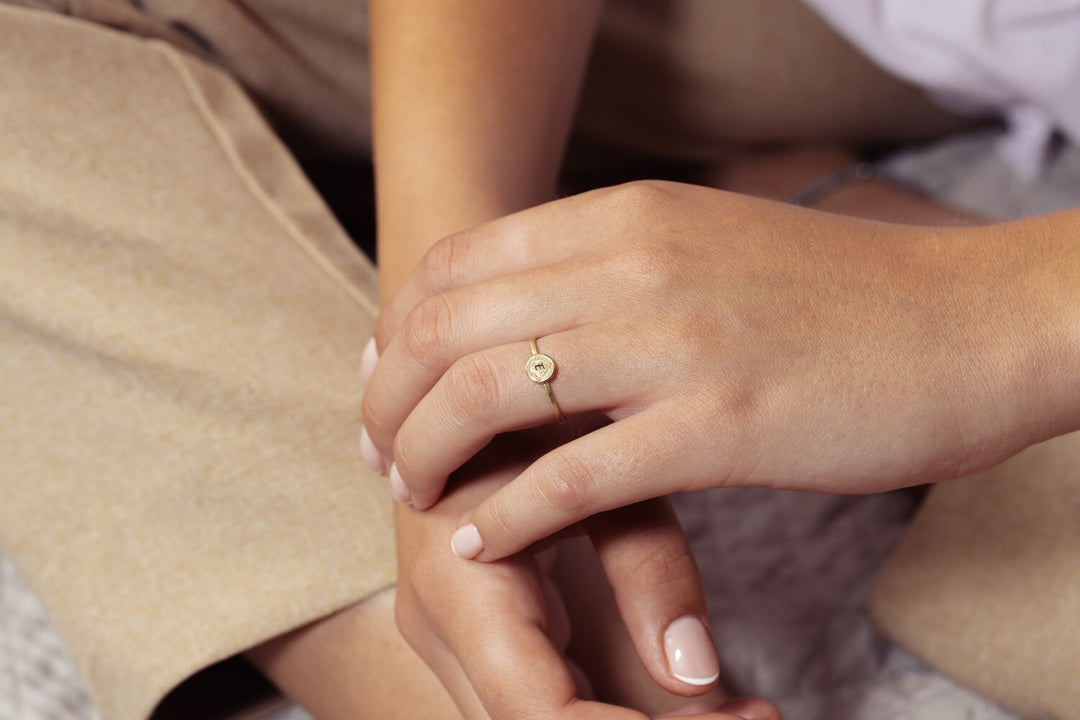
x,y
1020,58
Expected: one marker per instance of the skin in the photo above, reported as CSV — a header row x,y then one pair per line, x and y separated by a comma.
x,y
734,342
509,628
497,110
356,664
497,103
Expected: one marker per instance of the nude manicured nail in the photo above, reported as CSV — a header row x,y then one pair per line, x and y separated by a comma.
x,y
370,453
368,360
466,542
397,487
690,653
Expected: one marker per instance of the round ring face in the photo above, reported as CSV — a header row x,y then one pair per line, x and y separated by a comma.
x,y
540,368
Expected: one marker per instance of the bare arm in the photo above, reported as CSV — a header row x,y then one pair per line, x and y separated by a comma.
x,y
472,107
752,344
473,102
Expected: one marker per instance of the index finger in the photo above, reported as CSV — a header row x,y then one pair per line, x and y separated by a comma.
x,y
538,236
634,459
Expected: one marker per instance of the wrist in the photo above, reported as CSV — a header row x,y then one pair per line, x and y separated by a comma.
x,y
1029,280
1054,292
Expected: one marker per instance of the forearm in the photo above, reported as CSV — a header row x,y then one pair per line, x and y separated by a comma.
x,y
473,101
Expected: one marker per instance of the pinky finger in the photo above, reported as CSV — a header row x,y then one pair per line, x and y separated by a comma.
x,y
620,464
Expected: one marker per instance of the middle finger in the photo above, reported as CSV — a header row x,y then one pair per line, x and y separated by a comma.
x,y
446,327
489,392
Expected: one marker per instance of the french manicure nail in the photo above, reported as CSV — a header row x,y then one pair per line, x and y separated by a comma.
x,y
370,453
368,360
397,487
690,653
466,542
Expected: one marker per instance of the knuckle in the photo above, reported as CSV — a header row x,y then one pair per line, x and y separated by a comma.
x,y
568,485
641,197
375,422
500,517
653,265
441,264
658,257
403,457
429,328
693,332
736,403
382,330
664,567
474,388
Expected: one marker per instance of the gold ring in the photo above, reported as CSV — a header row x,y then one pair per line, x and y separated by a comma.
x,y
541,369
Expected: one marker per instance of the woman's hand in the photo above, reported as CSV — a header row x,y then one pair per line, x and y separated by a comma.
x,y
495,633
734,341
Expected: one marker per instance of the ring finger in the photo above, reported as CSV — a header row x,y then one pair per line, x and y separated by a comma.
x,y
447,327
490,392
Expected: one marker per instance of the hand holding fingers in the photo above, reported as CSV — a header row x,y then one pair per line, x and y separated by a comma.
x,y
444,309
495,633
516,672
789,348
444,608
440,330
520,277
448,370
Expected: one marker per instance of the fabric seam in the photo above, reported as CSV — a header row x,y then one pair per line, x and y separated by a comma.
x,y
252,184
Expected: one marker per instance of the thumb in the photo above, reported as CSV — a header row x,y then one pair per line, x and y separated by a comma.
x,y
651,569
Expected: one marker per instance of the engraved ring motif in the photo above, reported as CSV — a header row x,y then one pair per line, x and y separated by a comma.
x,y
541,369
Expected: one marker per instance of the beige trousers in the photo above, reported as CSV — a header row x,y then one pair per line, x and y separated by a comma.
x,y
985,585
181,323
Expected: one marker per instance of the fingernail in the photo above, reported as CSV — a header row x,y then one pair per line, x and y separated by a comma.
x,y
368,360
690,653
397,487
466,542
370,453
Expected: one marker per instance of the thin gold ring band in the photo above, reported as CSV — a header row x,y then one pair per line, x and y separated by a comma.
x,y
541,369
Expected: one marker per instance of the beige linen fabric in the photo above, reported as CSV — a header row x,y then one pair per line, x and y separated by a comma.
x,y
181,326
985,585
305,60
